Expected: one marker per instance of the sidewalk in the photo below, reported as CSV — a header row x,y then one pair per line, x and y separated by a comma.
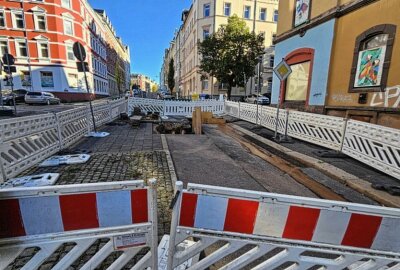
x,y
345,169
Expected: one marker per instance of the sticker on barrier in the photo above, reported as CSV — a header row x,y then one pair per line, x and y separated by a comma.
x,y
237,228
65,160
40,180
79,226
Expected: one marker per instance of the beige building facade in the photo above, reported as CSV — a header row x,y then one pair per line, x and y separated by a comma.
x,y
204,18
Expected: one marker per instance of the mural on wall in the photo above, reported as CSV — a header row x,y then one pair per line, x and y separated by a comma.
x,y
302,12
389,98
369,67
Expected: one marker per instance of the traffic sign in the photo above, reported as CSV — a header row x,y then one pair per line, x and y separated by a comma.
x,y
79,51
8,59
82,66
282,70
10,69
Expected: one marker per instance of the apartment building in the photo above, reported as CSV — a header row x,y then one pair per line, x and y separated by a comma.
x,y
343,64
143,82
204,18
40,35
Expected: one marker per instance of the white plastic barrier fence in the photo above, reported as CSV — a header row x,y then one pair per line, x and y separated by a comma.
x,y
122,215
237,229
26,141
174,107
374,145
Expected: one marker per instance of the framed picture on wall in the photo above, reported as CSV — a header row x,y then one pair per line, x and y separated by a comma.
x,y
370,67
301,12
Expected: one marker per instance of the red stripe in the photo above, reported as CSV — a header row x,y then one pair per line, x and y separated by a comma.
x,y
361,230
301,223
188,209
79,211
140,212
240,216
11,224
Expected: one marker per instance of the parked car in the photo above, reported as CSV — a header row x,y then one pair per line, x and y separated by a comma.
x,y
261,99
19,97
41,98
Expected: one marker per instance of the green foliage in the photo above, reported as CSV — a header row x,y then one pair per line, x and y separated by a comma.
x,y
171,75
231,53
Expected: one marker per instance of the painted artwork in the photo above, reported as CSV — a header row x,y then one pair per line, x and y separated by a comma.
x,y
369,67
302,12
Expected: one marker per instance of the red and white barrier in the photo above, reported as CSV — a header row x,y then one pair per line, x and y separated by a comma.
x,y
294,222
355,232
123,212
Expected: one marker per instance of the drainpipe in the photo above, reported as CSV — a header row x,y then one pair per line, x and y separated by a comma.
x,y
254,31
27,47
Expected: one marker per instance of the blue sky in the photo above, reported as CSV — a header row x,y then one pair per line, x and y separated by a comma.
x,y
147,26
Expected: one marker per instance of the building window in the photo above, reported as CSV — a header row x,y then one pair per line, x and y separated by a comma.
x,y
297,82
26,78
3,47
227,9
40,22
18,20
73,80
263,14
301,12
276,15
46,79
296,88
43,50
204,84
66,4
2,18
247,12
70,52
371,60
206,33
206,10
68,27
271,61
22,50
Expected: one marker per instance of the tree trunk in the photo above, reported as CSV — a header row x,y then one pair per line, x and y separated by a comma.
x,y
229,92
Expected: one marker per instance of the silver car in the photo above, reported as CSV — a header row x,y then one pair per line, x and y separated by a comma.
x,y
41,98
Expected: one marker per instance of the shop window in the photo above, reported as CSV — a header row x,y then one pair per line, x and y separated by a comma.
x,y
371,59
296,88
46,79
297,82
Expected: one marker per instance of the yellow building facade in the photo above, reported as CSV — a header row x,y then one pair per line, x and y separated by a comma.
x,y
352,52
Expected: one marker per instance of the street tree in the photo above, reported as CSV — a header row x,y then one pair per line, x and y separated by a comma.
x,y
171,75
232,53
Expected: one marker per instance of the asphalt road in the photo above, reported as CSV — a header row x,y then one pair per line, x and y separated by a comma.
x,y
27,110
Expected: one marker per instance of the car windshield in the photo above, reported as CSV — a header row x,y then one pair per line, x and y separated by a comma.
x,y
34,94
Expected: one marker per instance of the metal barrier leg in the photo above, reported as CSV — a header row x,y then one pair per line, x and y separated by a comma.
x,y
174,225
154,239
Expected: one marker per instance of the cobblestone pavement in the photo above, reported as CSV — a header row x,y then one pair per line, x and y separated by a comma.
x,y
127,154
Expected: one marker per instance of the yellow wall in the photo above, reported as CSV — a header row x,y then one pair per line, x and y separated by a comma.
x,y
286,12
348,28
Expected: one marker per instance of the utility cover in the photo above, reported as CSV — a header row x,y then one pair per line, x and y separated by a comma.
x,y
40,180
65,160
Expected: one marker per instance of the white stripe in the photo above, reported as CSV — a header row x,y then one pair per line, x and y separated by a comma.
x,y
331,227
41,215
388,236
210,212
271,219
114,208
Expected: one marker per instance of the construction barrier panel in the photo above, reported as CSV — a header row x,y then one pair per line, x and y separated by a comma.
x,y
239,229
79,226
26,141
